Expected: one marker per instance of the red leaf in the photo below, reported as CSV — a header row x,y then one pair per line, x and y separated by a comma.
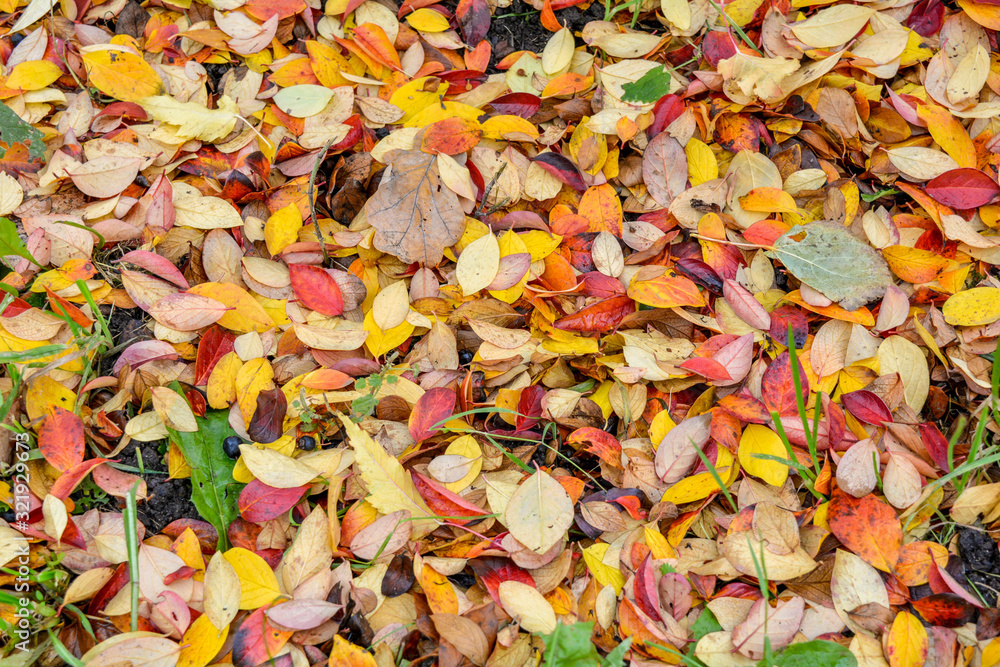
x,y
259,502
70,478
433,407
646,595
867,406
257,641
600,443
945,609
708,368
524,105
926,18
215,344
529,407
443,502
777,388
60,439
963,188
562,168
601,316
473,19
781,317
494,571
936,445
316,289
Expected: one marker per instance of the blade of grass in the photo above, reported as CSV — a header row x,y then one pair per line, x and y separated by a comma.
x,y
132,544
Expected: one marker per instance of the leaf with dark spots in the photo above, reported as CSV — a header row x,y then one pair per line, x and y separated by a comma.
x,y
778,388
867,526
945,609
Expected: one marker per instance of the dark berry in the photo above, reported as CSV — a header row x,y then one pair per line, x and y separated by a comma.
x,y
9,517
307,443
465,356
231,446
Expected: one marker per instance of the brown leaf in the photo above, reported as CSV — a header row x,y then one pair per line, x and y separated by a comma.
x,y
416,216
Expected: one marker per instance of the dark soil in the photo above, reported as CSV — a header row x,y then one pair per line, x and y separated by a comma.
x,y
126,326
168,499
519,28
982,562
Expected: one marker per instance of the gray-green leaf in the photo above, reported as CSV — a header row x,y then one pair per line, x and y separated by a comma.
x,y
831,260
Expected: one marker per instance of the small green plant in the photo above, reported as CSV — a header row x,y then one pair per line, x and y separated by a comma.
x,y
364,406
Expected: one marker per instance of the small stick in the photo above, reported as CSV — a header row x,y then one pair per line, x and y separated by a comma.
x,y
312,201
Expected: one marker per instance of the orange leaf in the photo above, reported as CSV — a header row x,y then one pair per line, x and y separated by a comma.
x,y
451,136
868,527
60,439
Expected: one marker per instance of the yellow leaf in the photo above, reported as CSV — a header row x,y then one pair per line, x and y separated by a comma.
x,y
413,97
466,446
427,20
389,484
193,120
662,424
526,604
441,110
973,307
346,654
221,389
258,585
478,264
33,75
760,440
122,75
511,244
246,314
606,575
700,486
768,200
949,133
506,127
201,643
380,342
906,644
282,228
44,395
252,378
657,543
702,164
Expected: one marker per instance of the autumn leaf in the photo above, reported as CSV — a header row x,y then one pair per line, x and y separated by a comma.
x,y
415,215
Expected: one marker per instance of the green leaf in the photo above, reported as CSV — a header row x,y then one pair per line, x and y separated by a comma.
x,y
570,646
214,491
817,653
13,130
706,624
11,243
653,85
617,656
831,260
879,194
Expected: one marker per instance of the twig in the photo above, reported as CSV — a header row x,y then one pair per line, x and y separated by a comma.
x,y
312,200
487,190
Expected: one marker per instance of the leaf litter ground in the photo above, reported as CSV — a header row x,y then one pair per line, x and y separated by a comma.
x,y
488,333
